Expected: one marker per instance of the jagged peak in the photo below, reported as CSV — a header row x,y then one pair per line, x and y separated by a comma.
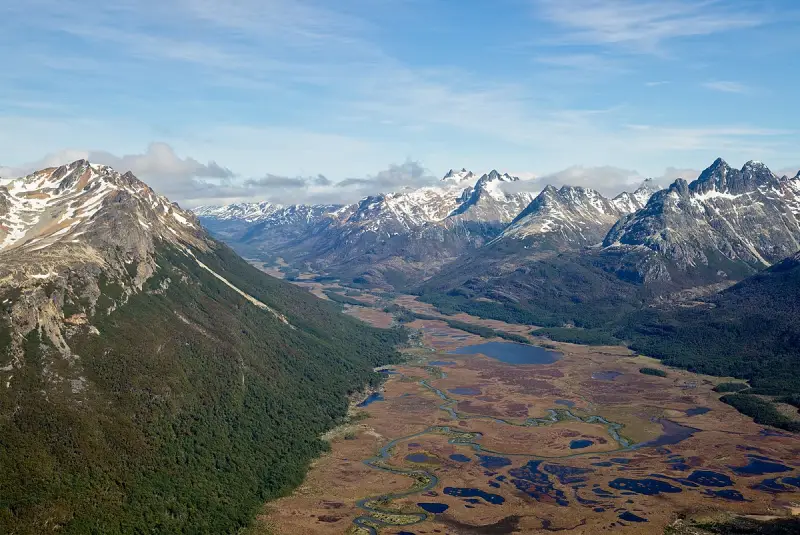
x,y
648,184
495,175
458,176
754,164
549,190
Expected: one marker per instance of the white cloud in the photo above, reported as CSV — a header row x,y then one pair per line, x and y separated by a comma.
x,y
789,171
727,86
607,179
643,25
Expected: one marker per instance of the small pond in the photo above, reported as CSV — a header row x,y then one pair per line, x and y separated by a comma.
x,y
375,396
511,353
465,390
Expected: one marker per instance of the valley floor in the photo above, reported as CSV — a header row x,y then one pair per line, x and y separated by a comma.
x,y
468,444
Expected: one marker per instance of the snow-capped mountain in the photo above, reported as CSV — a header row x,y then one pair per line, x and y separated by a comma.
x,y
74,210
726,224
408,230
488,201
250,212
630,202
572,216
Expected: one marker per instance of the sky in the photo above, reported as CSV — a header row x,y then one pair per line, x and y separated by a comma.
x,y
216,101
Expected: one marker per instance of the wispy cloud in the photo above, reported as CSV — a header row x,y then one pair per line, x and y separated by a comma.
x,y
727,87
643,25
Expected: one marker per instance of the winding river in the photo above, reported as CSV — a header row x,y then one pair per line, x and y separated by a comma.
x,y
378,511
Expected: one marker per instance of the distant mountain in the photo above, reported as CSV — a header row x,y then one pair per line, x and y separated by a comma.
x,y
572,217
727,224
384,239
150,379
721,228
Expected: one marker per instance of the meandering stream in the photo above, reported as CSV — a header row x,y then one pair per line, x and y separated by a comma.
x,y
379,512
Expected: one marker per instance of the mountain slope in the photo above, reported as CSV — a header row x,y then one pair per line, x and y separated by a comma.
x,y
572,217
748,331
539,270
727,224
394,238
150,379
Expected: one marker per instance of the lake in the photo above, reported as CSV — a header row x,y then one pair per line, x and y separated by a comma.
x,y
511,353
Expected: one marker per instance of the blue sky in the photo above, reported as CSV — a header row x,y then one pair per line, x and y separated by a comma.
x,y
214,101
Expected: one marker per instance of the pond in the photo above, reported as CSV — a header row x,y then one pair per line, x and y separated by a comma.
x,y
511,353
465,390
375,396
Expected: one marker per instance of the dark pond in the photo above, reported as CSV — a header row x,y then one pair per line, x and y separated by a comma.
x,y
697,411
420,458
606,376
630,517
465,391
707,478
435,508
511,353
460,458
648,487
758,466
535,482
567,474
473,493
565,402
442,363
375,396
580,444
490,461
727,494
783,484
673,433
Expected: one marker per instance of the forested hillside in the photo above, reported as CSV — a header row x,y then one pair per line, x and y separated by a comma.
x,y
191,407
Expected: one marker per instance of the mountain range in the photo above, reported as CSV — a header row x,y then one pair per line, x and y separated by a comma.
x,y
399,239
150,379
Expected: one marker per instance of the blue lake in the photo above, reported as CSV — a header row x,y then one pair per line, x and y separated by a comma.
x,y
673,433
474,493
758,466
647,487
630,517
565,402
435,508
460,458
375,396
465,391
697,411
420,458
580,444
511,353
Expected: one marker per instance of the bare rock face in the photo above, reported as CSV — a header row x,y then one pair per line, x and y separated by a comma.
x,y
69,235
570,218
725,225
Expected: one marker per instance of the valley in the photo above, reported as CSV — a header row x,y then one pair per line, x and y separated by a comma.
x,y
552,437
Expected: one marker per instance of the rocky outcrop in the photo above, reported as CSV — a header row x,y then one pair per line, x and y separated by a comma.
x,y
727,224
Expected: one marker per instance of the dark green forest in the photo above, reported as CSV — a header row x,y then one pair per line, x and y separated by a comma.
x,y
197,406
